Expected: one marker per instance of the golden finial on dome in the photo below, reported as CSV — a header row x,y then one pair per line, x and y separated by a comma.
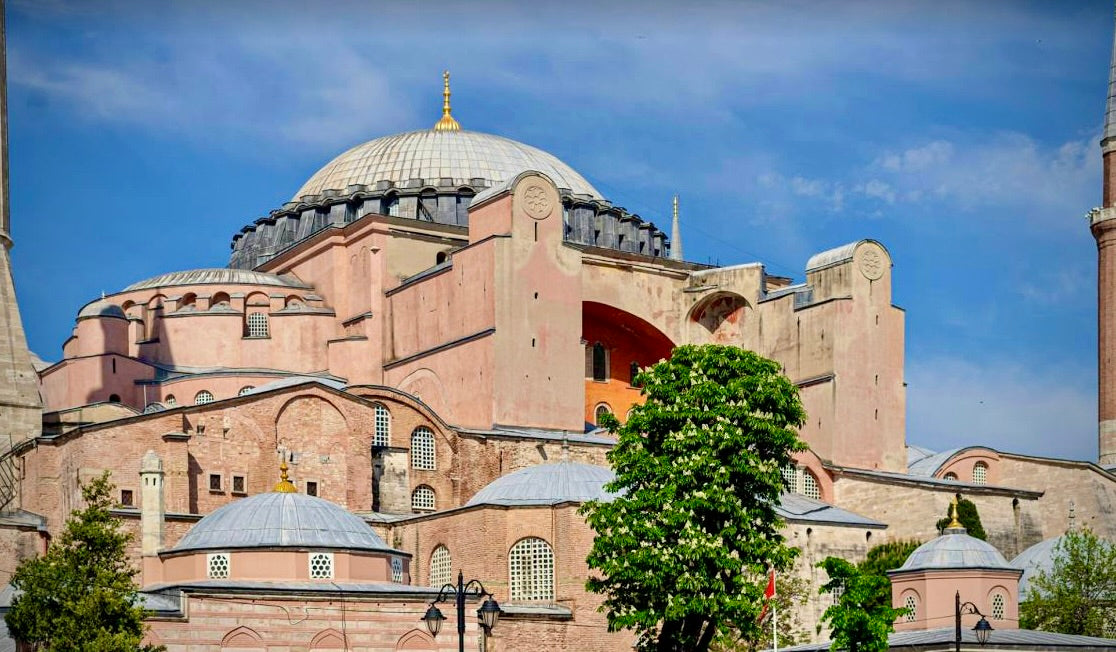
x,y
285,485
447,123
953,522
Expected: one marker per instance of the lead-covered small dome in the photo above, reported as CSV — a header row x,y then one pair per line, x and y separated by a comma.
x,y
955,550
547,484
101,308
281,520
1037,558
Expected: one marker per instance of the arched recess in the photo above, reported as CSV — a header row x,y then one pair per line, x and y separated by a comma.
x,y
416,641
311,423
328,639
243,639
625,339
427,386
721,317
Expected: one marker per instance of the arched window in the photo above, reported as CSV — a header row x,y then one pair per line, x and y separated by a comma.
x,y
531,570
171,400
422,449
422,499
980,473
114,398
440,257
950,476
810,487
601,410
997,606
188,302
244,390
201,398
911,605
220,301
383,426
257,324
633,369
440,567
790,478
389,205
600,362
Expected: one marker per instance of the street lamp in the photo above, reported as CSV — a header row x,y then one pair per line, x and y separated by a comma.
x,y
982,628
488,614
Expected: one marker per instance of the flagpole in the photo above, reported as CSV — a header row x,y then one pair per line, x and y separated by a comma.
x,y
774,622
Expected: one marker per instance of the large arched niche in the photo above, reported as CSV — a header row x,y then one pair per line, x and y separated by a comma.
x,y
243,639
310,421
719,318
427,386
416,641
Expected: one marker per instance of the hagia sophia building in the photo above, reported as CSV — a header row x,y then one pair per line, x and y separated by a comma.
x,y
425,337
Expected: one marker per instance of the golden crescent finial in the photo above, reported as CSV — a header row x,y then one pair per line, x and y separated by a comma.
x,y
285,486
953,522
447,123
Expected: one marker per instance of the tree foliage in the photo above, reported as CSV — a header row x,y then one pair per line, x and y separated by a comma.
x,y
968,516
792,592
1078,594
861,616
81,594
887,556
683,549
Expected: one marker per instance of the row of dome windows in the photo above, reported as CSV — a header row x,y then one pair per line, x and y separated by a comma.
x,y
910,602
980,474
530,570
319,566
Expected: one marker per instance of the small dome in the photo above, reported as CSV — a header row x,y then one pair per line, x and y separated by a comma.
x,y
547,484
281,520
101,308
955,551
1039,557
218,275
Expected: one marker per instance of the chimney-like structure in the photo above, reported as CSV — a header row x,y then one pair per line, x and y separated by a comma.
x,y
152,506
675,233
1103,226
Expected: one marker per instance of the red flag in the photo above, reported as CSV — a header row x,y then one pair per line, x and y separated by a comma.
x,y
768,593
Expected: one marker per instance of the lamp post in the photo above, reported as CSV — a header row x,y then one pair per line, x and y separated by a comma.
x,y
982,628
488,614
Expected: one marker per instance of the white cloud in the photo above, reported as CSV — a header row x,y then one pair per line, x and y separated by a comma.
x,y
877,189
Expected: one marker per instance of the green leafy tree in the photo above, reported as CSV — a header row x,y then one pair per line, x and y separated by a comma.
x,y
683,549
1078,594
81,595
792,592
861,616
968,516
887,556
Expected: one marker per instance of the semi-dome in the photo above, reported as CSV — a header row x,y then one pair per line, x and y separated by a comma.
x,y
101,308
955,550
1039,557
547,484
431,155
217,275
281,520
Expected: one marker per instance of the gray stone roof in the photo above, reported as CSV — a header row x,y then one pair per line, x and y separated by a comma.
x,y
1039,557
836,256
332,588
929,465
547,484
955,550
101,308
216,275
942,639
802,509
281,520
296,380
434,155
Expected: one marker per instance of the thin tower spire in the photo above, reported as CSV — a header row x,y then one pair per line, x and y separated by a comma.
x,y
675,233
447,123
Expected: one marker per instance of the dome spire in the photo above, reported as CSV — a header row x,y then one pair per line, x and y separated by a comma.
x,y
447,123
954,524
285,486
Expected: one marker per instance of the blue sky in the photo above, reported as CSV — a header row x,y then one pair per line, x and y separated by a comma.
x,y
962,135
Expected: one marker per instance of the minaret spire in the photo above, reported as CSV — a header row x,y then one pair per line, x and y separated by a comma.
x,y
447,123
675,233
1102,222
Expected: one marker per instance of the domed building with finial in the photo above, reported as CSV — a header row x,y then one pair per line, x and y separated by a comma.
x,y
427,335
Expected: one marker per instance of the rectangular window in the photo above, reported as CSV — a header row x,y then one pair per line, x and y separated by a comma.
x,y
215,482
321,566
311,488
127,498
217,565
239,485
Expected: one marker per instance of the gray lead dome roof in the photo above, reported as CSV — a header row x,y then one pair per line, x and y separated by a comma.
x,y
1039,557
955,551
547,484
434,155
101,308
276,520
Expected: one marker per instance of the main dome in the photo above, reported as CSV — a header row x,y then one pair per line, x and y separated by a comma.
x,y
431,156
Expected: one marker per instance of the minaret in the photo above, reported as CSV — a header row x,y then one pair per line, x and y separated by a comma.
x,y
675,234
21,412
152,505
1103,226
447,123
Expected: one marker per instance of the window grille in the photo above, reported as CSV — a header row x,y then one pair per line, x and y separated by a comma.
x,y
422,500
203,397
997,606
239,485
321,566
127,498
311,488
790,477
257,324
440,565
422,449
396,570
171,400
531,570
215,482
912,608
244,390
600,362
950,476
217,565
383,427
980,473
602,410
810,487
